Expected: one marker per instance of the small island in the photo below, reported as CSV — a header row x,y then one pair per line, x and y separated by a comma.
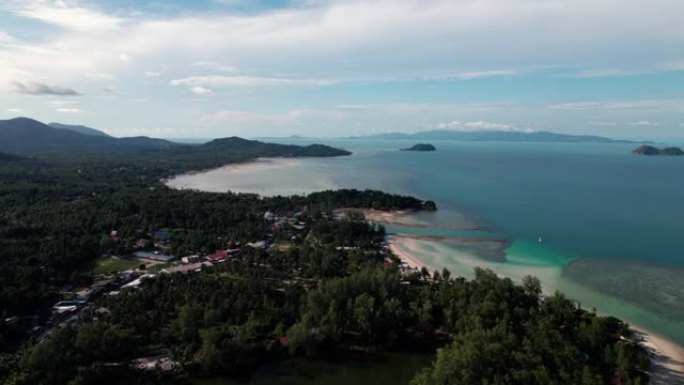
x,y
651,151
420,147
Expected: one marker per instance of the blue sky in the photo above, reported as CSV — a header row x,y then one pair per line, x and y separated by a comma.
x,y
330,68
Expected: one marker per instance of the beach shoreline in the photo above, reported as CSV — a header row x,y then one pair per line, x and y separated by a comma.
x,y
397,217
667,357
405,257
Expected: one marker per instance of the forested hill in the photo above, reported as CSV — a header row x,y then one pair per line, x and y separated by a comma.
x,y
254,147
25,134
79,128
8,157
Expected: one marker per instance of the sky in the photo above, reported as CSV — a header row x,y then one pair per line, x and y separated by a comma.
x,y
335,68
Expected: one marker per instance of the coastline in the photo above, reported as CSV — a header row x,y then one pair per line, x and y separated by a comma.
x,y
667,357
243,178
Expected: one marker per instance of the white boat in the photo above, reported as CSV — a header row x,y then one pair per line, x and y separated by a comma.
x,y
540,239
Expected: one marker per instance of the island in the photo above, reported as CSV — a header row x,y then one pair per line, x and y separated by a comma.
x,y
420,147
651,151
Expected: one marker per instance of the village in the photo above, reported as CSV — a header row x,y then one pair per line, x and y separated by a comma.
x,y
152,257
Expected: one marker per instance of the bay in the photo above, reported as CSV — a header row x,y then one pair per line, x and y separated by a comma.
x,y
607,220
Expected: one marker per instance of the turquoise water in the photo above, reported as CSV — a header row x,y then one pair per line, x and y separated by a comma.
x,y
590,203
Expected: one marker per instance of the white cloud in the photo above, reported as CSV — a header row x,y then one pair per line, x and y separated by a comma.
x,y
353,106
479,126
69,110
644,123
151,74
485,74
602,124
5,38
652,104
452,125
15,110
60,103
35,88
325,42
199,90
216,66
246,81
397,39
608,72
66,14
100,76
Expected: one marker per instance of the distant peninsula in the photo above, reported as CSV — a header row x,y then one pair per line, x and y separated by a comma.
x,y
496,136
654,151
420,147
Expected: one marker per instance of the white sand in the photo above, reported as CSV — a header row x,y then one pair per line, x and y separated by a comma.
x,y
397,248
399,217
668,358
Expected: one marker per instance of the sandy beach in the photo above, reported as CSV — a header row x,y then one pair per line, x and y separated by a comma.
x,y
264,176
404,256
398,218
668,358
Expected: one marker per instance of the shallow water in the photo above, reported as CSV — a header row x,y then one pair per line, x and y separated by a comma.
x,y
617,216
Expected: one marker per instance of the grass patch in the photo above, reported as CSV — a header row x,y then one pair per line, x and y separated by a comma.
x,y
112,265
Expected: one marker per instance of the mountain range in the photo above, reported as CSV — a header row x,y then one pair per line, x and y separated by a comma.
x,y
25,134
80,129
22,134
495,136
28,135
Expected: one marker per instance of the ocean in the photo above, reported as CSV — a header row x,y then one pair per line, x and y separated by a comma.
x,y
601,225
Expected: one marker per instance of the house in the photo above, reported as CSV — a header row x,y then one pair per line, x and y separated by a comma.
x,y
161,363
269,216
63,307
94,290
219,256
190,259
136,282
142,243
257,245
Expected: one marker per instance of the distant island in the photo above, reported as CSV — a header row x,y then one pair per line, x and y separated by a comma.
x,y
655,151
420,147
495,136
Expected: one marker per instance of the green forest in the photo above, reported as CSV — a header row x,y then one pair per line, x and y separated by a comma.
x,y
326,283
